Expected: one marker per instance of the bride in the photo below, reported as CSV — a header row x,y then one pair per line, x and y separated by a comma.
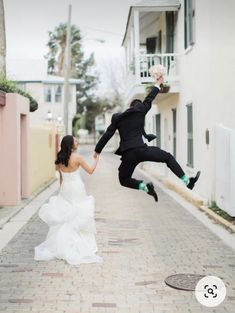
x,y
70,214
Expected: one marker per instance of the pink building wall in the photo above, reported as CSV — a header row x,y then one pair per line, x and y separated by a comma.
x,y
14,150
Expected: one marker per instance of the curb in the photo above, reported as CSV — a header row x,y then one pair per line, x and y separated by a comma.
x,y
229,226
194,199
6,219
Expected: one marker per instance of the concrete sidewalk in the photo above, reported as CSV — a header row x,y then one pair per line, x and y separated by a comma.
x,y
142,242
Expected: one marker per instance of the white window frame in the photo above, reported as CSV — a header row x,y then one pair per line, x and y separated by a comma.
x,y
46,88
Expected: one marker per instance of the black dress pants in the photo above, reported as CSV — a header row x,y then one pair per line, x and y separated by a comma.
x,y
131,158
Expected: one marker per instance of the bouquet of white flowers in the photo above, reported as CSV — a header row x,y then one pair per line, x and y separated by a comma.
x,y
157,71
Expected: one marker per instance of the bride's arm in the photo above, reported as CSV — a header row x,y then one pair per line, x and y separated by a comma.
x,y
88,168
58,169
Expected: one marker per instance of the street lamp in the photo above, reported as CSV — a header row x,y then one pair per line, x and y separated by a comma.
x,y
59,119
49,115
96,39
59,126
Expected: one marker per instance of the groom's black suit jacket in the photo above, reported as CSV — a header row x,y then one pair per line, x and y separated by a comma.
x,y
130,125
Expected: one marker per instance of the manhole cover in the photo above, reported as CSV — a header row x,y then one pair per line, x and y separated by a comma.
x,y
183,281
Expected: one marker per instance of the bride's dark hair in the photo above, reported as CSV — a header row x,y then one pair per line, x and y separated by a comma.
x,y
66,147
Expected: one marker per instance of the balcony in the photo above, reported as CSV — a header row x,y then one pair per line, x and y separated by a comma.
x,y
168,60
150,39
137,78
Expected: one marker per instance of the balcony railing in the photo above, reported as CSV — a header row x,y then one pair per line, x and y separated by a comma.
x,y
147,60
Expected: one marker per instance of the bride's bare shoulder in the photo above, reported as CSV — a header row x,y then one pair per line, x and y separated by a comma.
x,y
76,157
79,158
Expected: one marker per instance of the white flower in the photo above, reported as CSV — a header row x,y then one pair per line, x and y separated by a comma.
x,y
157,70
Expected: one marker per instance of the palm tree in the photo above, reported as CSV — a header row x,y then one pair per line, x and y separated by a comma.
x,y
2,40
80,68
57,46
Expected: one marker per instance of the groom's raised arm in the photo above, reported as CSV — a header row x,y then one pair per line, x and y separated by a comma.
x,y
147,103
106,136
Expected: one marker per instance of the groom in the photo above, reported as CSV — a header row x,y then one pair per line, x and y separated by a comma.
x,y
133,150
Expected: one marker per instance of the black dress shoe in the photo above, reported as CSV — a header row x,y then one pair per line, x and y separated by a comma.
x,y
152,191
192,180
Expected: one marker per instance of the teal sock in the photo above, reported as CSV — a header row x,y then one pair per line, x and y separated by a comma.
x,y
142,186
185,179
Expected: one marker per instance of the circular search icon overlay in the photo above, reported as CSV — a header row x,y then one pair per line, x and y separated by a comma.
x,y
210,291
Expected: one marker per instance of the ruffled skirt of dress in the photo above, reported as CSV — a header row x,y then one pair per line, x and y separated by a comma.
x,y
71,235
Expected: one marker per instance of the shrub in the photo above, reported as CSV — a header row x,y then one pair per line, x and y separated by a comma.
x,y
9,86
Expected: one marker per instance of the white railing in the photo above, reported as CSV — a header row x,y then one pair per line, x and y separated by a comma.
x,y
147,60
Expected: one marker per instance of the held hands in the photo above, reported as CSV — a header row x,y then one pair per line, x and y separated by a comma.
x,y
96,155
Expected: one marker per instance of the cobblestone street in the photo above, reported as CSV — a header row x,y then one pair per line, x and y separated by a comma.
x,y
141,241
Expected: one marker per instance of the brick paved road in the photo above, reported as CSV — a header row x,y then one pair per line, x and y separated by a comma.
x,y
141,242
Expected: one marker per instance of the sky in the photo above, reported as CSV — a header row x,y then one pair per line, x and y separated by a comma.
x,y
28,23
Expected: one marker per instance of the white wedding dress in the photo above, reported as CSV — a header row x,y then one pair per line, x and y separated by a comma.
x,y
72,229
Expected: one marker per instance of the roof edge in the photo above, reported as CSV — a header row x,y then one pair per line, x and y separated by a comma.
x,y
143,6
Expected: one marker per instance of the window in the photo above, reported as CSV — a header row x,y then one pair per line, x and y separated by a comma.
x,y
47,93
58,94
169,32
190,134
151,45
158,129
188,23
174,132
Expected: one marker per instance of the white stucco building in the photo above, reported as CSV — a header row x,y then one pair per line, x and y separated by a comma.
x,y
195,40
48,92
